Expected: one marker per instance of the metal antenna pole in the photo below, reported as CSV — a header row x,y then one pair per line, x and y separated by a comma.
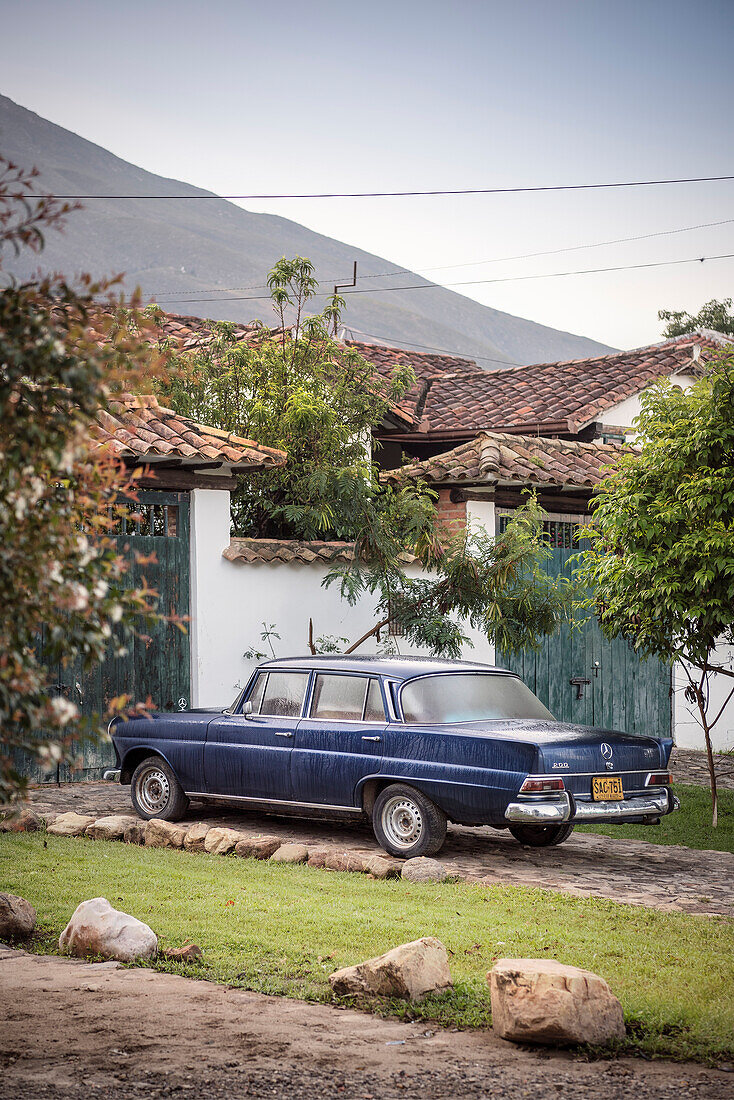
x,y
343,286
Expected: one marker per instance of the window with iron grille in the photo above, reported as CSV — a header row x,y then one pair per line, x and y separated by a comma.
x,y
394,628
560,534
150,520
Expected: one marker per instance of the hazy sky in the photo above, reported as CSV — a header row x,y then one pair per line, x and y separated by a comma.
x,y
244,96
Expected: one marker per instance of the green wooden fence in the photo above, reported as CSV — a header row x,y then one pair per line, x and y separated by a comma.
x,y
157,665
623,693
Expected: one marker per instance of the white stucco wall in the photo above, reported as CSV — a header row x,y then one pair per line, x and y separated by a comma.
x,y
230,601
624,413
688,732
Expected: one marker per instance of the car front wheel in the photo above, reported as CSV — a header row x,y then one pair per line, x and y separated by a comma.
x,y
156,792
541,836
406,823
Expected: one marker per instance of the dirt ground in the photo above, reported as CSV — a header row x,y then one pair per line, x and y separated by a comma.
x,y
71,1030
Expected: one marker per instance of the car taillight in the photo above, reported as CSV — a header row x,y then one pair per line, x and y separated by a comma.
x,y
659,779
538,786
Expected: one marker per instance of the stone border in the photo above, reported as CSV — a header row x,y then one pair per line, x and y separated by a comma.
x,y
221,841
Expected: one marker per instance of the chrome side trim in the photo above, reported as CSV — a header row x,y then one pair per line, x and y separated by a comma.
x,y
561,773
274,802
112,775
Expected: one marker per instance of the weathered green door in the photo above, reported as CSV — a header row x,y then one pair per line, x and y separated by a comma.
x,y
157,665
614,688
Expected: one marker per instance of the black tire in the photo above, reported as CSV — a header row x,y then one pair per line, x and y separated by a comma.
x,y
406,823
541,836
156,792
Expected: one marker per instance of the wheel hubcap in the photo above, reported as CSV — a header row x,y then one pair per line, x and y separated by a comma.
x,y
402,822
153,790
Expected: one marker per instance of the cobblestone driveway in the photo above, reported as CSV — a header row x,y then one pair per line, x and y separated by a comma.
x,y
634,872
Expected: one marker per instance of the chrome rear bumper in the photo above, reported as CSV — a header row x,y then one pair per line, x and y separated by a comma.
x,y
557,811
112,775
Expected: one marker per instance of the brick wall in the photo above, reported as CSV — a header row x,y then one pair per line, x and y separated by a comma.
x,y
450,515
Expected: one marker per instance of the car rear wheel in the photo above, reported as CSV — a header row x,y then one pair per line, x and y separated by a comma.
x,y
541,836
156,792
406,823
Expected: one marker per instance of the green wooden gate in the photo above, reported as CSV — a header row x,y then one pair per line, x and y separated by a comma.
x,y
158,666
621,691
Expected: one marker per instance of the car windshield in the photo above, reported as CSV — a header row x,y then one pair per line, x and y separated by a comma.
x,y
469,697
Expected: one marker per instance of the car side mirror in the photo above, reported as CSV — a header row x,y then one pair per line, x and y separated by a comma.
x,y
247,709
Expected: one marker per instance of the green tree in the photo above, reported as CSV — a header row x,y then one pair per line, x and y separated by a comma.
x,y
301,391
60,575
494,584
713,315
662,539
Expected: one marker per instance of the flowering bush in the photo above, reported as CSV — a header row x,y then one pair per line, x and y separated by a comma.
x,y
62,579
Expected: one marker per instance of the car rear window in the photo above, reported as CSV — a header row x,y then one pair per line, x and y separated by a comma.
x,y
337,697
469,697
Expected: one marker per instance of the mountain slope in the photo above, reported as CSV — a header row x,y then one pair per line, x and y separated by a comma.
x,y
182,249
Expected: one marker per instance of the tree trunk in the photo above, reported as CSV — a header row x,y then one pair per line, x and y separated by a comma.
x,y
710,757
370,633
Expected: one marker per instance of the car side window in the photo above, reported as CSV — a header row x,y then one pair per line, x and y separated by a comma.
x,y
338,697
374,710
283,694
256,695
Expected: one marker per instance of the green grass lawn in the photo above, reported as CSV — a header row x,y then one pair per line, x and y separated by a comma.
x,y
283,930
691,825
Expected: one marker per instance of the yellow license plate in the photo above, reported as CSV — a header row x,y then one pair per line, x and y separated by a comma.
x,y
606,788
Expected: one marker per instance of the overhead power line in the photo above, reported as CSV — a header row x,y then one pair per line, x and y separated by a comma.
x,y
474,282
472,263
414,194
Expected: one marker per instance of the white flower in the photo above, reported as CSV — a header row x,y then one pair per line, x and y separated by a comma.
x,y
54,572
50,754
115,613
64,710
101,589
106,630
78,597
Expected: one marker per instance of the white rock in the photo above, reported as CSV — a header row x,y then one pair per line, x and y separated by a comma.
x,y
109,828
221,841
410,970
290,853
544,1001
71,824
423,869
97,929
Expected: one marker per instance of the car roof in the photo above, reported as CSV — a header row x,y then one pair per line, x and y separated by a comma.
x,y
398,668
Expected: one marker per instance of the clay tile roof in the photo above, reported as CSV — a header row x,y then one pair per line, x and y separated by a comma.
x,y
288,550
255,551
462,398
138,428
502,459
427,368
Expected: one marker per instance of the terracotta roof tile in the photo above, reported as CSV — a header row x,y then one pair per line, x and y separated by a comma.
x,y
254,551
549,396
140,429
502,459
288,550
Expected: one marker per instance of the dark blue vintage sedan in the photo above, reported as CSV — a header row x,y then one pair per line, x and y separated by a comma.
x,y
410,743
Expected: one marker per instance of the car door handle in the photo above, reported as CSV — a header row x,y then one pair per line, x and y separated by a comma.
x,y
372,739
283,733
